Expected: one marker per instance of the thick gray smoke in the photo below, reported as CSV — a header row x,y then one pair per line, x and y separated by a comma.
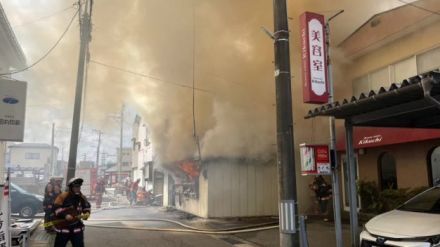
x,y
216,42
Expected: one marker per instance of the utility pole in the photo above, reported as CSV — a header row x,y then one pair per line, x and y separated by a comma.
x,y
288,207
97,152
85,37
335,170
52,146
3,149
61,167
103,160
120,144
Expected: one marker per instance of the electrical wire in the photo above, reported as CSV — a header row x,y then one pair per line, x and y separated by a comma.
x,y
193,74
48,52
160,80
419,7
45,17
146,76
195,136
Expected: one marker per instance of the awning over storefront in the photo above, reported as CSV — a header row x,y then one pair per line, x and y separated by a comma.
x,y
414,103
369,137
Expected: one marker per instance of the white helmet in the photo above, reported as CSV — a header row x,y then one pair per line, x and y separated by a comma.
x,y
75,181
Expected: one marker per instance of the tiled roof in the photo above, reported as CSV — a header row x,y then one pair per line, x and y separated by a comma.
x,y
406,104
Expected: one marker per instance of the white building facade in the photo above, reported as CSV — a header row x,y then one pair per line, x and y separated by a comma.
x,y
11,54
11,57
31,155
142,154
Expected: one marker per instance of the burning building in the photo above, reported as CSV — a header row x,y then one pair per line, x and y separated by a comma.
x,y
222,187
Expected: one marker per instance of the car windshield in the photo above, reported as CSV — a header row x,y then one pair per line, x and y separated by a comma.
x,y
426,202
17,188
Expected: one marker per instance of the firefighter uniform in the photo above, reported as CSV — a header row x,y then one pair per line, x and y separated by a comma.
x,y
70,207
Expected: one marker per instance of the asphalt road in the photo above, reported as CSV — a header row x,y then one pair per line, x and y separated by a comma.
x,y
96,236
132,238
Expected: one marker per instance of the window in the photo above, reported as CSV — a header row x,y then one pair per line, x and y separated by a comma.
x,y
380,78
361,85
387,171
434,166
134,143
426,202
429,60
397,72
373,81
404,69
32,156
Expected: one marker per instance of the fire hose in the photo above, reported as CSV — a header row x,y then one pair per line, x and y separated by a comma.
x,y
189,229
55,222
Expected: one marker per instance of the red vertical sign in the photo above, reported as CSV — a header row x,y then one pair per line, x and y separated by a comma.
x,y
315,159
314,60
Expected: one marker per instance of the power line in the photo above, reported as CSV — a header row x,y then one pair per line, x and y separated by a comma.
x,y
49,51
146,76
196,138
419,7
45,17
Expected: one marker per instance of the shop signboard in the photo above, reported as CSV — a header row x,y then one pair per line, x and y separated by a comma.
x,y
315,159
314,58
12,109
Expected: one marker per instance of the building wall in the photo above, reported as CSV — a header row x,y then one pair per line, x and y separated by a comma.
x,y
18,157
415,43
166,195
138,174
126,156
142,152
411,163
242,189
197,206
411,158
11,54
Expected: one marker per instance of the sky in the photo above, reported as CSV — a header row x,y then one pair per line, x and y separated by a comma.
x,y
216,44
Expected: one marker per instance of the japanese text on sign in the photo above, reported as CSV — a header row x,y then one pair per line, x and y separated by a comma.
x,y
314,60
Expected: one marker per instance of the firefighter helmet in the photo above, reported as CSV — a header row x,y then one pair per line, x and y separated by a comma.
x,y
75,182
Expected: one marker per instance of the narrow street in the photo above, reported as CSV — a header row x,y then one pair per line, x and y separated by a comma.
x,y
128,238
97,233
97,236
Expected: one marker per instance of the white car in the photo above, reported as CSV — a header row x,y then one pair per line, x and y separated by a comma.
x,y
414,224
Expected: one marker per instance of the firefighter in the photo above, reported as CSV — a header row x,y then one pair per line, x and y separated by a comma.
x,y
70,207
